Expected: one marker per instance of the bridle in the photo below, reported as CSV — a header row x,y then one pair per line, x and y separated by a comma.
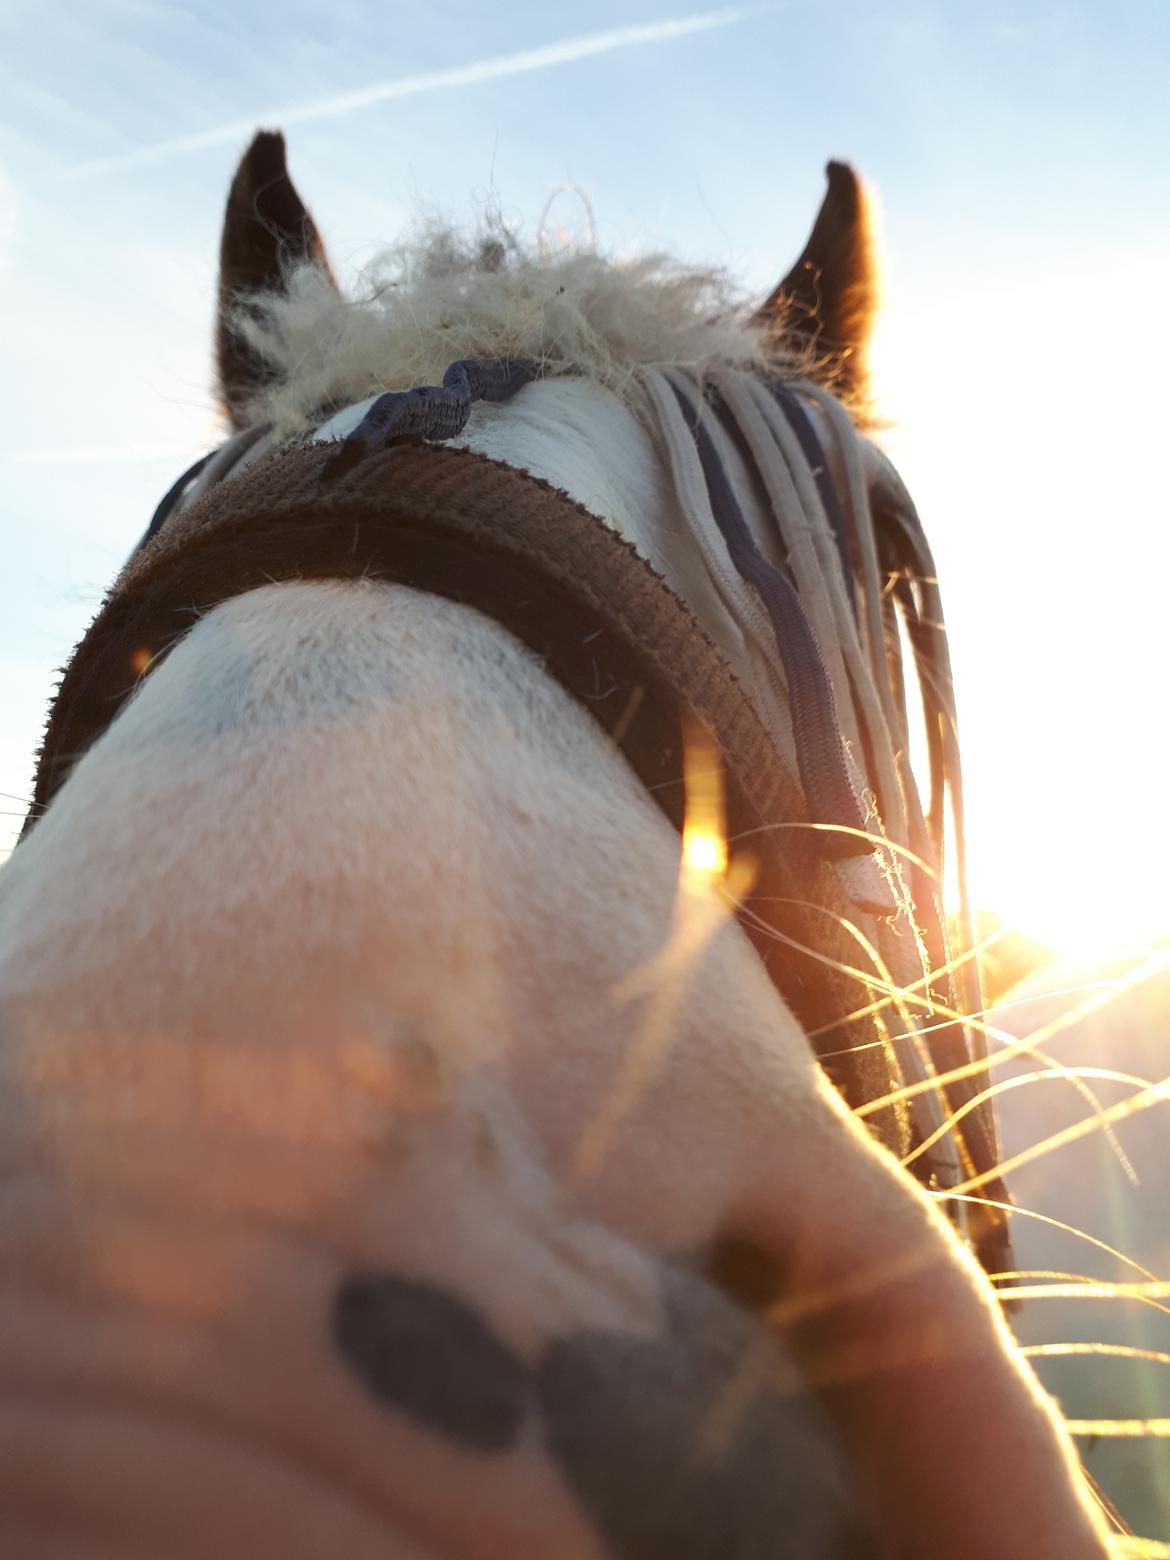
x,y
453,522
434,413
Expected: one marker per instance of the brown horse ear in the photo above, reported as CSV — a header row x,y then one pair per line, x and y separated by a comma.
x,y
266,230
827,302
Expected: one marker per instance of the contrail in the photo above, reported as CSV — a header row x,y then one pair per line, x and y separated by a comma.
x,y
566,52
101,455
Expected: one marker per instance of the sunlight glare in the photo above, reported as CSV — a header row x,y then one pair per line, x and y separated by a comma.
x,y
1062,759
704,836
704,852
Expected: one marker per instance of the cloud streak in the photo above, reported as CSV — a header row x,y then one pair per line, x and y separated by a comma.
x,y
527,62
99,455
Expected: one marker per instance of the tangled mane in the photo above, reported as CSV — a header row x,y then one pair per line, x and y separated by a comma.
x,y
442,295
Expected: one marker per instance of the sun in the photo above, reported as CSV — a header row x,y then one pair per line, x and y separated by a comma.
x,y
1052,564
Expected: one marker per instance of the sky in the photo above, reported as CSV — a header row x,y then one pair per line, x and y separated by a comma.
x,y
1020,157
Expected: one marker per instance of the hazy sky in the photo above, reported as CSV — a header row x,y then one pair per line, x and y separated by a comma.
x,y
1022,159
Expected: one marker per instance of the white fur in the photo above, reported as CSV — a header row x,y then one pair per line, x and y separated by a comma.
x,y
315,961
426,303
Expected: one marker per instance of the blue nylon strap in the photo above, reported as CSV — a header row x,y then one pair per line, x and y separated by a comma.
x,y
820,753
428,411
172,496
801,424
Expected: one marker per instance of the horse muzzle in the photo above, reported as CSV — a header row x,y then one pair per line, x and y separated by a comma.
x,y
219,1342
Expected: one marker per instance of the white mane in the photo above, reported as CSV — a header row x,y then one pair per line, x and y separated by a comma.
x,y
424,304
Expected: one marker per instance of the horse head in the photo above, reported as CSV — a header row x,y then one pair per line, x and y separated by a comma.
x,y
474,966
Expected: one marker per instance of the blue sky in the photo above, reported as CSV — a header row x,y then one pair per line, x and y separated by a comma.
x,y
1021,159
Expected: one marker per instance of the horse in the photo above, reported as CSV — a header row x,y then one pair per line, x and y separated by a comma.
x,y
447,974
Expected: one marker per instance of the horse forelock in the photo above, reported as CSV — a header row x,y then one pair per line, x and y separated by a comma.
x,y
443,295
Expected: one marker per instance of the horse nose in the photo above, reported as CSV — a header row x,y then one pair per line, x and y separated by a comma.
x,y
259,1359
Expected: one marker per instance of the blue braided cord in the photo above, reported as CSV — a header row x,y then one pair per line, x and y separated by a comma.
x,y
428,411
820,753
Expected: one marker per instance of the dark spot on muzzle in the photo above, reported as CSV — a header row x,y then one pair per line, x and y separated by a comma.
x,y
699,1445
425,1354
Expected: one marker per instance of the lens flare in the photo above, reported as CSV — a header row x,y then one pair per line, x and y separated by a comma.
x,y
704,853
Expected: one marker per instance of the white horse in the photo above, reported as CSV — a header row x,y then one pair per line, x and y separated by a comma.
x,y
400,1157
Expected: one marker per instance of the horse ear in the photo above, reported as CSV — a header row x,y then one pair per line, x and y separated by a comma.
x,y
827,302
266,230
